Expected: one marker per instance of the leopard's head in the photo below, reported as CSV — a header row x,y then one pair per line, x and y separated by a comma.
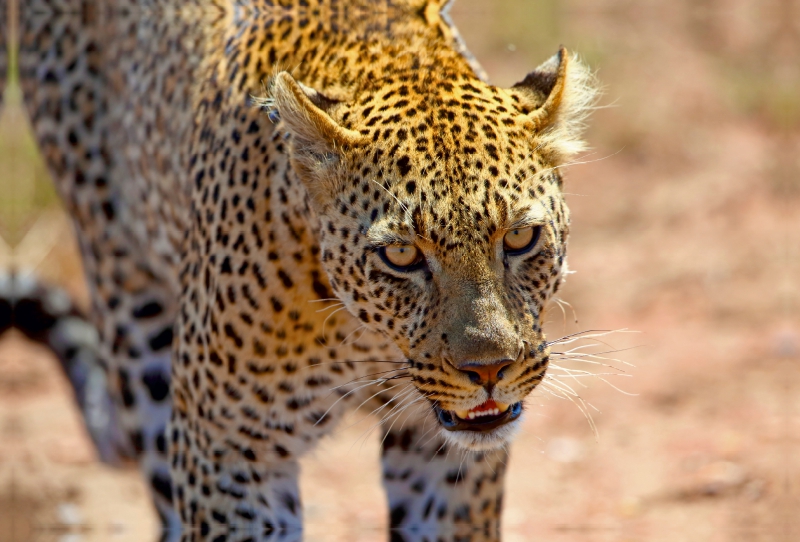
x,y
443,224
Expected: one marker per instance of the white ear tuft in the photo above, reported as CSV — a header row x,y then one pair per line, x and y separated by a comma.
x,y
562,93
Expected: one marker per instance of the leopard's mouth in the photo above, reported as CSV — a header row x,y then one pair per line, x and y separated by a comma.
x,y
482,418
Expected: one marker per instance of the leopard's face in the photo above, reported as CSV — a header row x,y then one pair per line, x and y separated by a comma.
x,y
443,226
456,272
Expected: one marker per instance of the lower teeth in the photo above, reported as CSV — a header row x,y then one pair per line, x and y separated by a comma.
x,y
471,415
493,412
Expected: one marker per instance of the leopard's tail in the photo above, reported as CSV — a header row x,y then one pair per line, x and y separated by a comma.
x,y
47,315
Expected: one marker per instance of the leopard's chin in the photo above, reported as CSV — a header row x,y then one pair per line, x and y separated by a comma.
x,y
493,427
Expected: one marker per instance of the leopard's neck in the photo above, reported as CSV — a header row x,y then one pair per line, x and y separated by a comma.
x,y
339,48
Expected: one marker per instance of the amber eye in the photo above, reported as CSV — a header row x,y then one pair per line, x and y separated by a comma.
x,y
401,257
521,240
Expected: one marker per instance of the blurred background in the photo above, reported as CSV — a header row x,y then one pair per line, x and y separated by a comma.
x,y
686,229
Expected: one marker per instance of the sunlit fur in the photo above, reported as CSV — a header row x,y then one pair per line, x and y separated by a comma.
x,y
481,442
448,164
203,215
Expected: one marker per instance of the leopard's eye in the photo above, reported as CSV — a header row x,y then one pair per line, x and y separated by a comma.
x,y
401,257
521,240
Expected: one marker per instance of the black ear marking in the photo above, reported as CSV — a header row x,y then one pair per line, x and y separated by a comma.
x,y
543,79
544,86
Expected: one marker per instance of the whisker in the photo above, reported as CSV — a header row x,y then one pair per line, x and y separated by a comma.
x,y
569,375
490,464
396,417
335,305
369,375
623,392
426,431
587,334
580,347
561,304
543,387
578,401
433,436
461,463
359,328
399,396
402,205
619,372
589,362
326,319
563,312
384,405
592,357
435,454
321,363
365,402
573,163
395,377
397,399
409,405
342,397
613,351
392,416
566,388
585,374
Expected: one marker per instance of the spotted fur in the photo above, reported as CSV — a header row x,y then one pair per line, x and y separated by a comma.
x,y
236,169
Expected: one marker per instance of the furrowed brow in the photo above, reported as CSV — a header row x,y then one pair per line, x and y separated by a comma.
x,y
381,235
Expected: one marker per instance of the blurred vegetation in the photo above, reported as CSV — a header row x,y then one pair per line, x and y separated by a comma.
x,y
25,186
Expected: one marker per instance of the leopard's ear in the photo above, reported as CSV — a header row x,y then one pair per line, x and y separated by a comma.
x,y
317,139
558,95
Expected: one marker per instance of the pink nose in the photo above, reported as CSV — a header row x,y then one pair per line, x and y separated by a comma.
x,y
485,374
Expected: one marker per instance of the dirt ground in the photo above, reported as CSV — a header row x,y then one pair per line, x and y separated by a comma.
x,y
685,229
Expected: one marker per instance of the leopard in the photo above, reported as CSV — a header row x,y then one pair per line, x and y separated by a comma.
x,y
291,209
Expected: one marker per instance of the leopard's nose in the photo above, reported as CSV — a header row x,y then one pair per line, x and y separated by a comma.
x,y
485,374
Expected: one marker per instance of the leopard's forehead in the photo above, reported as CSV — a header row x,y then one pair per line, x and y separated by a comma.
x,y
444,157
441,120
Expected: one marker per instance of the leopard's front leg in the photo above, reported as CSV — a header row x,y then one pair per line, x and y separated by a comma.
x,y
436,488
236,435
260,374
223,488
